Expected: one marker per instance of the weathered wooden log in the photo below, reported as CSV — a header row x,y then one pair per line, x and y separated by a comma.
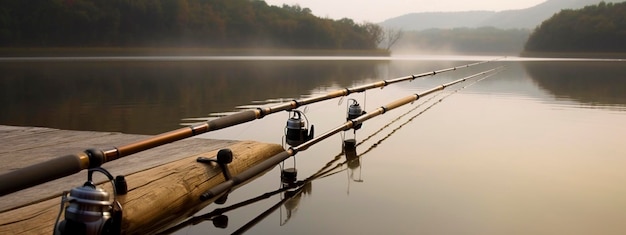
x,y
157,197
24,146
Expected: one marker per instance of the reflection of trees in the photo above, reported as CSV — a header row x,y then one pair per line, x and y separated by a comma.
x,y
152,97
595,83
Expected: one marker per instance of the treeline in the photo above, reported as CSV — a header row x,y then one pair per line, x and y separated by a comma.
x,y
191,23
596,28
484,40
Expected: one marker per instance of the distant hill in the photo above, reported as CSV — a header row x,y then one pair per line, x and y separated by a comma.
x,y
528,18
438,20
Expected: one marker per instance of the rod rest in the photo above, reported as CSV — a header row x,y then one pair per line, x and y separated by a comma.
x,y
223,158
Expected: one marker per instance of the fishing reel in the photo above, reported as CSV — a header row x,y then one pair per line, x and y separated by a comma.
x,y
354,111
297,130
89,210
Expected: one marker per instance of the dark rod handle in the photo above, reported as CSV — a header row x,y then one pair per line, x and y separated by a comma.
x,y
42,172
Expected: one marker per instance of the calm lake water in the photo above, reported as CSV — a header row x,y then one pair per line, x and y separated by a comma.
x,y
538,148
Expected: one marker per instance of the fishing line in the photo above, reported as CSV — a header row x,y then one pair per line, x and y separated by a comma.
x,y
422,112
397,119
365,100
416,107
69,164
322,173
338,157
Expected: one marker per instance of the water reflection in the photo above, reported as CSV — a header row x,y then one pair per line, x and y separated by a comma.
x,y
494,159
291,195
150,97
590,83
291,192
354,161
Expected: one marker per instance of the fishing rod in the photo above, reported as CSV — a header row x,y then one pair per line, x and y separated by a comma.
x,y
326,171
276,159
92,158
219,220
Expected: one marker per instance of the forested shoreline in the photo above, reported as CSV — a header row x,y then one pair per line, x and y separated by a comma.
x,y
598,28
226,27
176,24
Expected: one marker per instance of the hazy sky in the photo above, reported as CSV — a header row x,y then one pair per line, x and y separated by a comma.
x,y
379,10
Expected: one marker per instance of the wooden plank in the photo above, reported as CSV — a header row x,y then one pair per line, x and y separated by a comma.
x,y
24,146
160,195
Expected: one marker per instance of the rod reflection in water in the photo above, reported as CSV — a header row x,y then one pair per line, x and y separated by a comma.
x,y
276,159
352,161
217,215
292,193
66,165
338,157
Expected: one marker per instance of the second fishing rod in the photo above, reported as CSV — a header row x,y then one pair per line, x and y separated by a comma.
x,y
296,188
92,158
278,158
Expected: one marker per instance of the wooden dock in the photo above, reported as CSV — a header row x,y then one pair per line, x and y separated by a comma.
x,y
164,183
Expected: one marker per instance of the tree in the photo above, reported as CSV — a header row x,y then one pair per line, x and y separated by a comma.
x,y
196,23
390,36
596,28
